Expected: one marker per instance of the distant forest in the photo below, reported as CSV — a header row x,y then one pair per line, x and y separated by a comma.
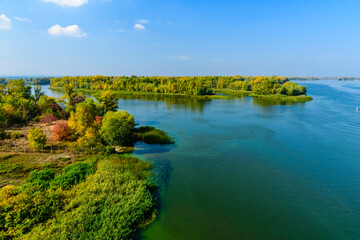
x,y
194,86
324,78
31,81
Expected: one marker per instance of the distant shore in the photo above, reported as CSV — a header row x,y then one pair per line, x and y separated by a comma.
x,y
225,94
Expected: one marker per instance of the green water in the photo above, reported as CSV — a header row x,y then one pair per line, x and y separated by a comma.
x,y
244,169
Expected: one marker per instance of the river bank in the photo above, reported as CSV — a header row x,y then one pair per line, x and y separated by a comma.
x,y
219,94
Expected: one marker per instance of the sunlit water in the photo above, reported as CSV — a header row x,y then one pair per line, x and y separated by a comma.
x,y
243,169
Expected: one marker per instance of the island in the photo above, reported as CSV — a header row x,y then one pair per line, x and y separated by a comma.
x,y
273,87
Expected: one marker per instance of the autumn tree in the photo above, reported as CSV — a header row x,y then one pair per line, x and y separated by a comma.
x,y
37,138
108,101
83,117
61,131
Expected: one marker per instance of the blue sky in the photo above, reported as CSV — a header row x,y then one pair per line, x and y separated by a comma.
x,y
180,37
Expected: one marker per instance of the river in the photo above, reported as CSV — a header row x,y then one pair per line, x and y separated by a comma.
x,y
246,169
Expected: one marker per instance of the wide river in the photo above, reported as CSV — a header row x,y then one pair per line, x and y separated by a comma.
x,y
248,170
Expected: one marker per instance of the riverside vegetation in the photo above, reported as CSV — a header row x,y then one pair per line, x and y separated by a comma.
x,y
90,196
276,87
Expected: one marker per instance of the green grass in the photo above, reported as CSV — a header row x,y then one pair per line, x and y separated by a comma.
x,y
14,168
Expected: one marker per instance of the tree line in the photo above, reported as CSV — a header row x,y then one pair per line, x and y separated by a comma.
x,y
194,86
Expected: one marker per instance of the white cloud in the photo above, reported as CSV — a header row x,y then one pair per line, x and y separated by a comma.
x,y
70,31
143,21
22,19
68,3
180,57
139,26
5,23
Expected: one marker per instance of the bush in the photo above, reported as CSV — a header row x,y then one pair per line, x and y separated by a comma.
x,y
48,118
37,138
73,174
61,131
41,178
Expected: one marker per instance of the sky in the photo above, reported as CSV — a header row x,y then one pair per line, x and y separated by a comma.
x,y
180,37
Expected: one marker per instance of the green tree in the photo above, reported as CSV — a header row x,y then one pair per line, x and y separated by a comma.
x,y
108,101
38,93
37,138
18,88
116,128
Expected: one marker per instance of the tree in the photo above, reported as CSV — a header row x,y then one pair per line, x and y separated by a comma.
x,y
90,138
61,131
116,128
37,138
38,93
83,117
108,101
18,88
48,104
69,92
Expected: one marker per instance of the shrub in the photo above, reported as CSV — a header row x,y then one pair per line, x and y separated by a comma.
x,y
48,118
73,174
37,138
41,178
61,131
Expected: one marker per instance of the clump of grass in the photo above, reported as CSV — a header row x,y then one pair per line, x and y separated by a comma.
x,y
65,159
151,135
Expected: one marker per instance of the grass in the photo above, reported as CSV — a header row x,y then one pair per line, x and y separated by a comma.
x,y
14,168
